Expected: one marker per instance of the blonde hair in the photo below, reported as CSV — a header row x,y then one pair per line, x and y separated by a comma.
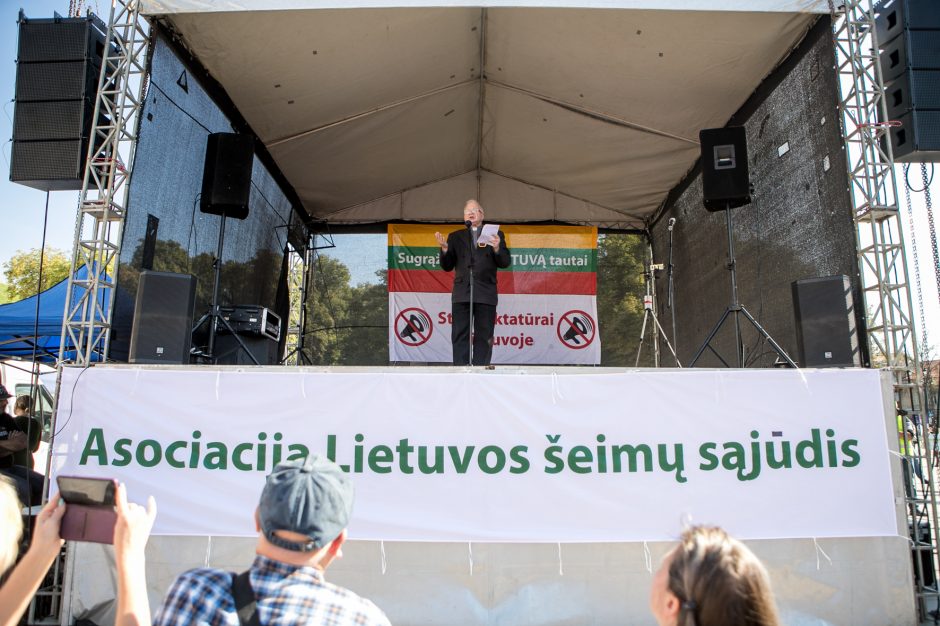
x,y
11,524
719,581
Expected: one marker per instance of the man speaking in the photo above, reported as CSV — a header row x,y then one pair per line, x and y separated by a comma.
x,y
471,253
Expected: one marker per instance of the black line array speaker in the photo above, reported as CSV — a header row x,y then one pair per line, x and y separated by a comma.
x,y
263,348
826,331
58,65
226,178
163,318
908,33
725,180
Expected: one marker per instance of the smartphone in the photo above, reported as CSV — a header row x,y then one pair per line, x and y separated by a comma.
x,y
89,514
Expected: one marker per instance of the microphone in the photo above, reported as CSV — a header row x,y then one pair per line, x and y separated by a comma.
x,y
468,224
670,223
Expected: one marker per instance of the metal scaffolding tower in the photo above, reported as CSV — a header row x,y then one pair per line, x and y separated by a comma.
x,y
881,253
298,265
103,199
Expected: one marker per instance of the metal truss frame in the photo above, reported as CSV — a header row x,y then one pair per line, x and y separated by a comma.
x,y
103,199
881,253
298,268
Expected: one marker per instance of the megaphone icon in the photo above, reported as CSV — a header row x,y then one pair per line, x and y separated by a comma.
x,y
415,325
578,330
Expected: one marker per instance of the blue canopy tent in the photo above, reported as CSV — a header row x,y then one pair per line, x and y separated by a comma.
x,y
20,333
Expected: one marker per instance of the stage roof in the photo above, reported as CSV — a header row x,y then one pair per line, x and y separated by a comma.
x,y
582,115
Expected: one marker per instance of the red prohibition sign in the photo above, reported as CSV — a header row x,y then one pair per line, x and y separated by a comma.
x,y
579,331
414,329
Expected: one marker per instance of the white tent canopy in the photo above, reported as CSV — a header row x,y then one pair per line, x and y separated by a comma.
x,y
583,115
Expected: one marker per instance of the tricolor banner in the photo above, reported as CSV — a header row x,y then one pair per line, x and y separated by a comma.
x,y
547,313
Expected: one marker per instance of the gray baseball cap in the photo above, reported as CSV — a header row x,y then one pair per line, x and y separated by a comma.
x,y
313,497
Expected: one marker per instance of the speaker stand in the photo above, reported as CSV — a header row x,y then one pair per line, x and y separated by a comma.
x,y
736,310
214,315
650,313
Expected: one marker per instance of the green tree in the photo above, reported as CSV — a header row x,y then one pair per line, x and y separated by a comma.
x,y
326,310
620,290
22,272
4,296
365,340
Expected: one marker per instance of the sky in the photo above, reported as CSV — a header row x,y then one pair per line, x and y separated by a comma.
x,y
22,209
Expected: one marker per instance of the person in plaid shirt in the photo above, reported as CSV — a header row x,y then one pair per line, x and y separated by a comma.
x,y
301,518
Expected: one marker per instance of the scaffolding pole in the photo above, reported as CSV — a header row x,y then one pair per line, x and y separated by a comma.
x,y
881,255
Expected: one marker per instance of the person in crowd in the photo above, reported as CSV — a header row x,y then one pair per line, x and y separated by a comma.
x,y
15,441
131,531
27,423
711,579
24,580
461,250
301,519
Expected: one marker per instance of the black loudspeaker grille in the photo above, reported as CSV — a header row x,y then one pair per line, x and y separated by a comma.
x,y
725,179
61,80
918,89
228,352
58,64
917,139
52,165
55,40
163,318
893,16
915,49
226,177
826,331
41,121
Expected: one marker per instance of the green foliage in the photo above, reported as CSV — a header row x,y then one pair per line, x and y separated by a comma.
x,y
22,272
4,296
620,290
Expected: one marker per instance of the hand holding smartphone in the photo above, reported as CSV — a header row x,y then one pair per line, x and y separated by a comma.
x,y
90,514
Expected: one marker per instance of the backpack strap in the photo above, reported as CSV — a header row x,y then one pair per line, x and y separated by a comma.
x,y
245,603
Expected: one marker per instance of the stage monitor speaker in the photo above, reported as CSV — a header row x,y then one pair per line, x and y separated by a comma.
x,y
725,181
229,352
58,65
226,178
826,331
163,318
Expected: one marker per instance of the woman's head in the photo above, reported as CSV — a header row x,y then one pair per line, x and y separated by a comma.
x,y
710,579
11,524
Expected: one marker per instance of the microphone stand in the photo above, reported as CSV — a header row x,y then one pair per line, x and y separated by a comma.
x,y
469,226
670,290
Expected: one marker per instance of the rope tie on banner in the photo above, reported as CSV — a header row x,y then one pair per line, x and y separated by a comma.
x,y
470,556
136,378
208,551
819,551
647,558
303,385
556,392
561,569
384,560
218,382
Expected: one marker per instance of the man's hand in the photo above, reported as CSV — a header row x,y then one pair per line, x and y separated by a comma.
x,y
441,241
494,241
132,528
46,540
15,442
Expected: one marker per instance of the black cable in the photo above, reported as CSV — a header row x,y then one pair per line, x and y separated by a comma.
x,y
927,182
192,232
71,404
174,103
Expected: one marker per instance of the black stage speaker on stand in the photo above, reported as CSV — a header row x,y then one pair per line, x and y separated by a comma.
x,y
826,332
725,181
226,191
58,66
226,177
163,317
908,33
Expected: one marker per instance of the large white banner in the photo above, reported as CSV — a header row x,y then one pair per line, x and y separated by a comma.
x,y
504,455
